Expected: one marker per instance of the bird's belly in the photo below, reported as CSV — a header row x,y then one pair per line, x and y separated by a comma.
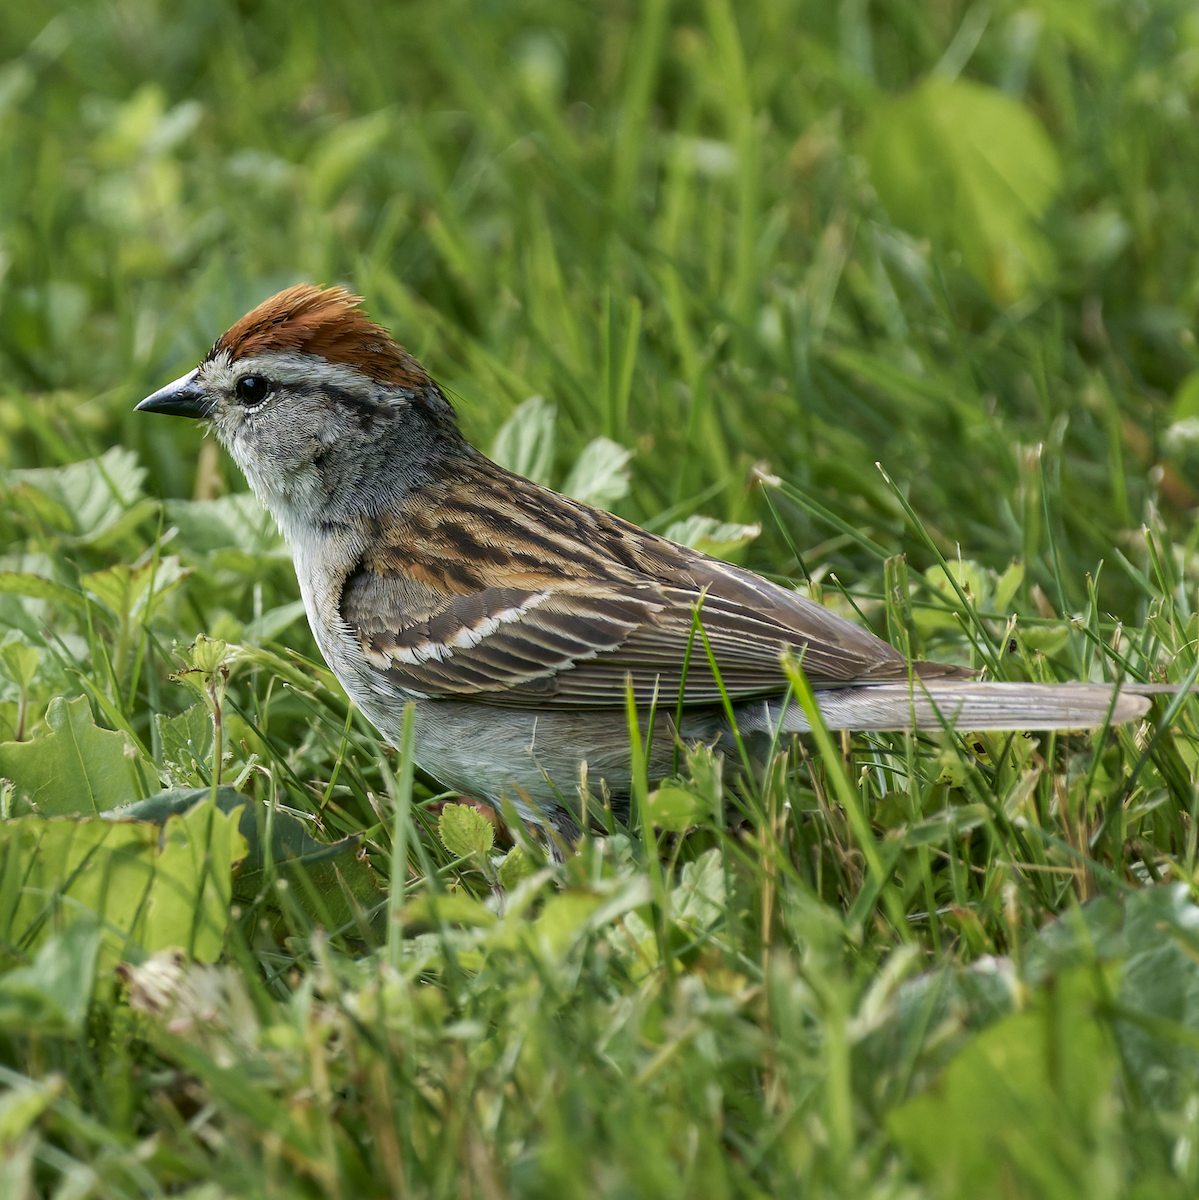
x,y
489,751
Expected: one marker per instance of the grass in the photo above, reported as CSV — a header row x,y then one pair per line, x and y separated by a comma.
x,y
770,248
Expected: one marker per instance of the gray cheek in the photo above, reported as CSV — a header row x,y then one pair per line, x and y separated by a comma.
x,y
227,421
265,434
238,440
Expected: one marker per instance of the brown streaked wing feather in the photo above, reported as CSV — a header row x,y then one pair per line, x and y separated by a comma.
x,y
544,601
523,660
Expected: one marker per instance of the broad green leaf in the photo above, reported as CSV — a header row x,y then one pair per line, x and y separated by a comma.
x,y
186,741
963,163
1186,398
150,886
1094,933
601,474
19,1108
18,662
332,882
27,499
52,994
451,908
975,581
174,802
563,919
1156,934
572,915
126,590
76,767
1048,639
1153,934
525,442
710,536
700,896
951,770
894,1049
705,768
464,831
1032,1092
1008,585
929,832
674,808
90,501
189,901
274,622
516,866
22,583
236,522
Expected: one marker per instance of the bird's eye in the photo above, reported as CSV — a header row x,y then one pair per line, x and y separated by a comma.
x,y
252,389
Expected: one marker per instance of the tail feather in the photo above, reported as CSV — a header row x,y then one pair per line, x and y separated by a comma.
x,y
932,704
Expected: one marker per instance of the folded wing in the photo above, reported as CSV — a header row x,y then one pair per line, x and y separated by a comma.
x,y
537,600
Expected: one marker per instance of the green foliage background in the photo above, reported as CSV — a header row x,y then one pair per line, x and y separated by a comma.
x,y
762,247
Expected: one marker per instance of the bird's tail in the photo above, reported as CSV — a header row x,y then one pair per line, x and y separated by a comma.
x,y
933,704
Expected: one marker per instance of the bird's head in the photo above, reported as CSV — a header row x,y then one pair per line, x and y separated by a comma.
x,y
316,403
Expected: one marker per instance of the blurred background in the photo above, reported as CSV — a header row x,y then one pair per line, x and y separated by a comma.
x,y
954,238
706,262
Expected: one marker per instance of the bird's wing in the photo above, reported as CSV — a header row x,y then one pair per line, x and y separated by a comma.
x,y
533,599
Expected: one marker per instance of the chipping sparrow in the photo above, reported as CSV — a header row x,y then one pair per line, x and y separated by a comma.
x,y
512,615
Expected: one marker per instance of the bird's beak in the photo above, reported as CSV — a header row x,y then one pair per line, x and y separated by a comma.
x,y
183,398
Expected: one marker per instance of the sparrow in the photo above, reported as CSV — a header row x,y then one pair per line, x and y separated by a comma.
x,y
516,617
